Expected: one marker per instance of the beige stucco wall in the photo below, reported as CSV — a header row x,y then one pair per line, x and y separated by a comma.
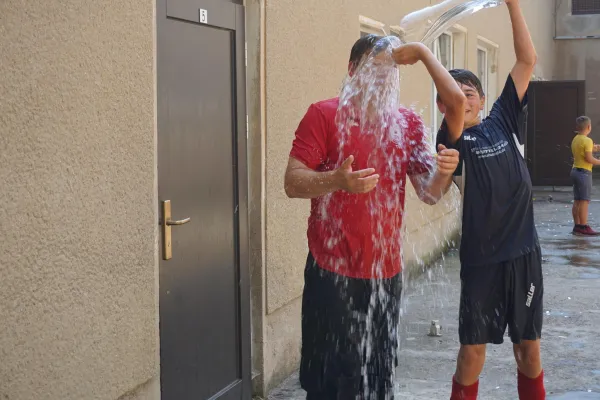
x,y
78,305
579,59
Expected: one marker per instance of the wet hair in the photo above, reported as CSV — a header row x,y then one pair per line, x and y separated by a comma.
x,y
361,48
582,123
467,78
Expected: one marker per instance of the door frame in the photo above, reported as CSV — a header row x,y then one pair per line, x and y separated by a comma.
x,y
530,126
228,16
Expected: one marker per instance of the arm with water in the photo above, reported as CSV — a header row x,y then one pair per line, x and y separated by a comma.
x,y
524,49
432,186
450,93
304,183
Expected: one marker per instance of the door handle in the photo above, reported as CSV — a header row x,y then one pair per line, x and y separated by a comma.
x,y
166,228
180,222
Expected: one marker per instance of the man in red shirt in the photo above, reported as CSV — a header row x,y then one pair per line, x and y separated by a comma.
x,y
356,183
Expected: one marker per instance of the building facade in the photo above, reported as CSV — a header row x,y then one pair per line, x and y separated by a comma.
x,y
80,138
577,55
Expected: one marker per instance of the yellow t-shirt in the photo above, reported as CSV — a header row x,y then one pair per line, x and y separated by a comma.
x,y
580,145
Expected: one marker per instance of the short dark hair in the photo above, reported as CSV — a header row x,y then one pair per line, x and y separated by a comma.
x,y
466,77
362,47
581,123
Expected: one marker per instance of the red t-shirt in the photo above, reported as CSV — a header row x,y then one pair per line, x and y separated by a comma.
x,y
360,235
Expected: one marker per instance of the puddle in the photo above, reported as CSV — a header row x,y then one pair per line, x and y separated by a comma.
x,y
557,314
576,396
589,275
566,249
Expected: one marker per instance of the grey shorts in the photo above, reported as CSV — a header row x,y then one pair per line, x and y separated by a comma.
x,y
582,184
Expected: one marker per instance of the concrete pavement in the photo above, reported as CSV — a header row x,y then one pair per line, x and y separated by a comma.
x,y
570,343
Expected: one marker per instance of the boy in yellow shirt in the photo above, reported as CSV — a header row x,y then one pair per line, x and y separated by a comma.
x,y
581,174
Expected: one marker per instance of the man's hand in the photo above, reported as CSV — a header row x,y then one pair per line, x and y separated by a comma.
x,y
447,160
431,187
362,181
597,148
409,54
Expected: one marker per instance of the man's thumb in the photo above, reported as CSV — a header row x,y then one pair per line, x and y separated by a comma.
x,y
441,148
348,162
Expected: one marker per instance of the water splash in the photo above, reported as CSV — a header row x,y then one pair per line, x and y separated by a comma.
x,y
369,120
428,24
389,136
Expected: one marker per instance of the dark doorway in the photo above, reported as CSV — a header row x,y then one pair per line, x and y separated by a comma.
x,y
202,184
553,108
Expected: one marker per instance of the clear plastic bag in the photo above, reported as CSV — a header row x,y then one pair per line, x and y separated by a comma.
x,y
429,23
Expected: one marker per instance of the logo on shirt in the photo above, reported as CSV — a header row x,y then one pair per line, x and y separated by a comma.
x,y
530,295
490,151
470,138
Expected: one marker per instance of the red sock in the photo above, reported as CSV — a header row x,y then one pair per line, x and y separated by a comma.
x,y
460,392
531,389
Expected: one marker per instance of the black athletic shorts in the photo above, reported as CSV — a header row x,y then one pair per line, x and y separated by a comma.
x,y
496,296
349,335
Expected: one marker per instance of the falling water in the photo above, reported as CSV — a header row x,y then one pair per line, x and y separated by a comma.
x,y
428,24
369,112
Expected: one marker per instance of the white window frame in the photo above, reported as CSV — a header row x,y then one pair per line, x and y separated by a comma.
x,y
491,88
484,82
370,26
458,52
435,123
436,48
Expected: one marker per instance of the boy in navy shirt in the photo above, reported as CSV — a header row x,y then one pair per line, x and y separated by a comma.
x,y
501,271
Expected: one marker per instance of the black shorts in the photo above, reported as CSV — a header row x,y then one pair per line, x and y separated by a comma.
x,y
349,335
496,296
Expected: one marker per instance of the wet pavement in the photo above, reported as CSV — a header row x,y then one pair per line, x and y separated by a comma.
x,y
570,343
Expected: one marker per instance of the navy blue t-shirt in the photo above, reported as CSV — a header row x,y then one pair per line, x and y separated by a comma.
x,y
497,216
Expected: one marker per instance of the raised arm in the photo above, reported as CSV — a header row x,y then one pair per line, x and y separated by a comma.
x,y
524,49
449,91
